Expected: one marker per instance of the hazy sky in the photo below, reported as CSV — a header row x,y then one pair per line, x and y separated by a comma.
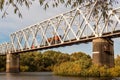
x,y
13,23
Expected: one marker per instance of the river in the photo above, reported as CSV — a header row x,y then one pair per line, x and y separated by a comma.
x,y
44,76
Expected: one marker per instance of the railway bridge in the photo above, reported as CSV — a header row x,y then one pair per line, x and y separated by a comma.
x,y
76,26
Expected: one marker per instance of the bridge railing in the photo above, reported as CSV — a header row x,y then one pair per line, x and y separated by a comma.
x,y
78,24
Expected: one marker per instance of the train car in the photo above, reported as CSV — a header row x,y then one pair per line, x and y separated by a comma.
x,y
33,47
54,40
57,39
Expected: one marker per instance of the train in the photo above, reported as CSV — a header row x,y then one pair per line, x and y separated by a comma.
x,y
54,40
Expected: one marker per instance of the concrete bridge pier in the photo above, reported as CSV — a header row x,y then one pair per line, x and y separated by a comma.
x,y
12,63
103,52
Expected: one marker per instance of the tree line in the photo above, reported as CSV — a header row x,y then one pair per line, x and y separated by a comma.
x,y
75,64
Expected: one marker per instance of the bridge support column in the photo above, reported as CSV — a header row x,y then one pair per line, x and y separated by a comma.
x,y
103,52
12,63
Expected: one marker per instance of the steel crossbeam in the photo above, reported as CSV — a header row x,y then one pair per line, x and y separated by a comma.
x,y
70,27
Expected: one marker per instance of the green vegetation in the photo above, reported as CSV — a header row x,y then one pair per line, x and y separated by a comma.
x,y
37,61
2,63
83,66
75,64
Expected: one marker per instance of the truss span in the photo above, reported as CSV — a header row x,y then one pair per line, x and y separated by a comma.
x,y
75,26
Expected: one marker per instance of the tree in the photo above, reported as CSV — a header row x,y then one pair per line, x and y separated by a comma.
x,y
117,61
16,4
2,63
77,65
56,57
79,55
31,61
102,5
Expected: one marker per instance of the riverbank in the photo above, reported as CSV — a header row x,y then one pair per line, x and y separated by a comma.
x,y
46,76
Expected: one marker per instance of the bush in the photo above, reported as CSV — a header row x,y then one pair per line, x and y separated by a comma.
x,y
115,72
24,68
93,71
68,68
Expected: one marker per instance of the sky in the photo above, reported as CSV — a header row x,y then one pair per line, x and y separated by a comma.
x,y
35,14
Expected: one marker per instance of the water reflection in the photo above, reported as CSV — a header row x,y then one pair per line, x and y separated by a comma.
x,y
45,76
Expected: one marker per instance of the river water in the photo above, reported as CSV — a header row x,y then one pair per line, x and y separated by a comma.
x,y
44,76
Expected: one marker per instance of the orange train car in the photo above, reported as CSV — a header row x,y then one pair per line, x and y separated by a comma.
x,y
54,40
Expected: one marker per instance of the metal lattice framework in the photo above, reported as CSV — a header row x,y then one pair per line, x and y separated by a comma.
x,y
73,26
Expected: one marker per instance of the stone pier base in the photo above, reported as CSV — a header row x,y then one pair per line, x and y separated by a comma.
x,y
103,52
12,63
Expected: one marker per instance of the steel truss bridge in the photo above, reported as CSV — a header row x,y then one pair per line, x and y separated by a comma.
x,y
75,26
